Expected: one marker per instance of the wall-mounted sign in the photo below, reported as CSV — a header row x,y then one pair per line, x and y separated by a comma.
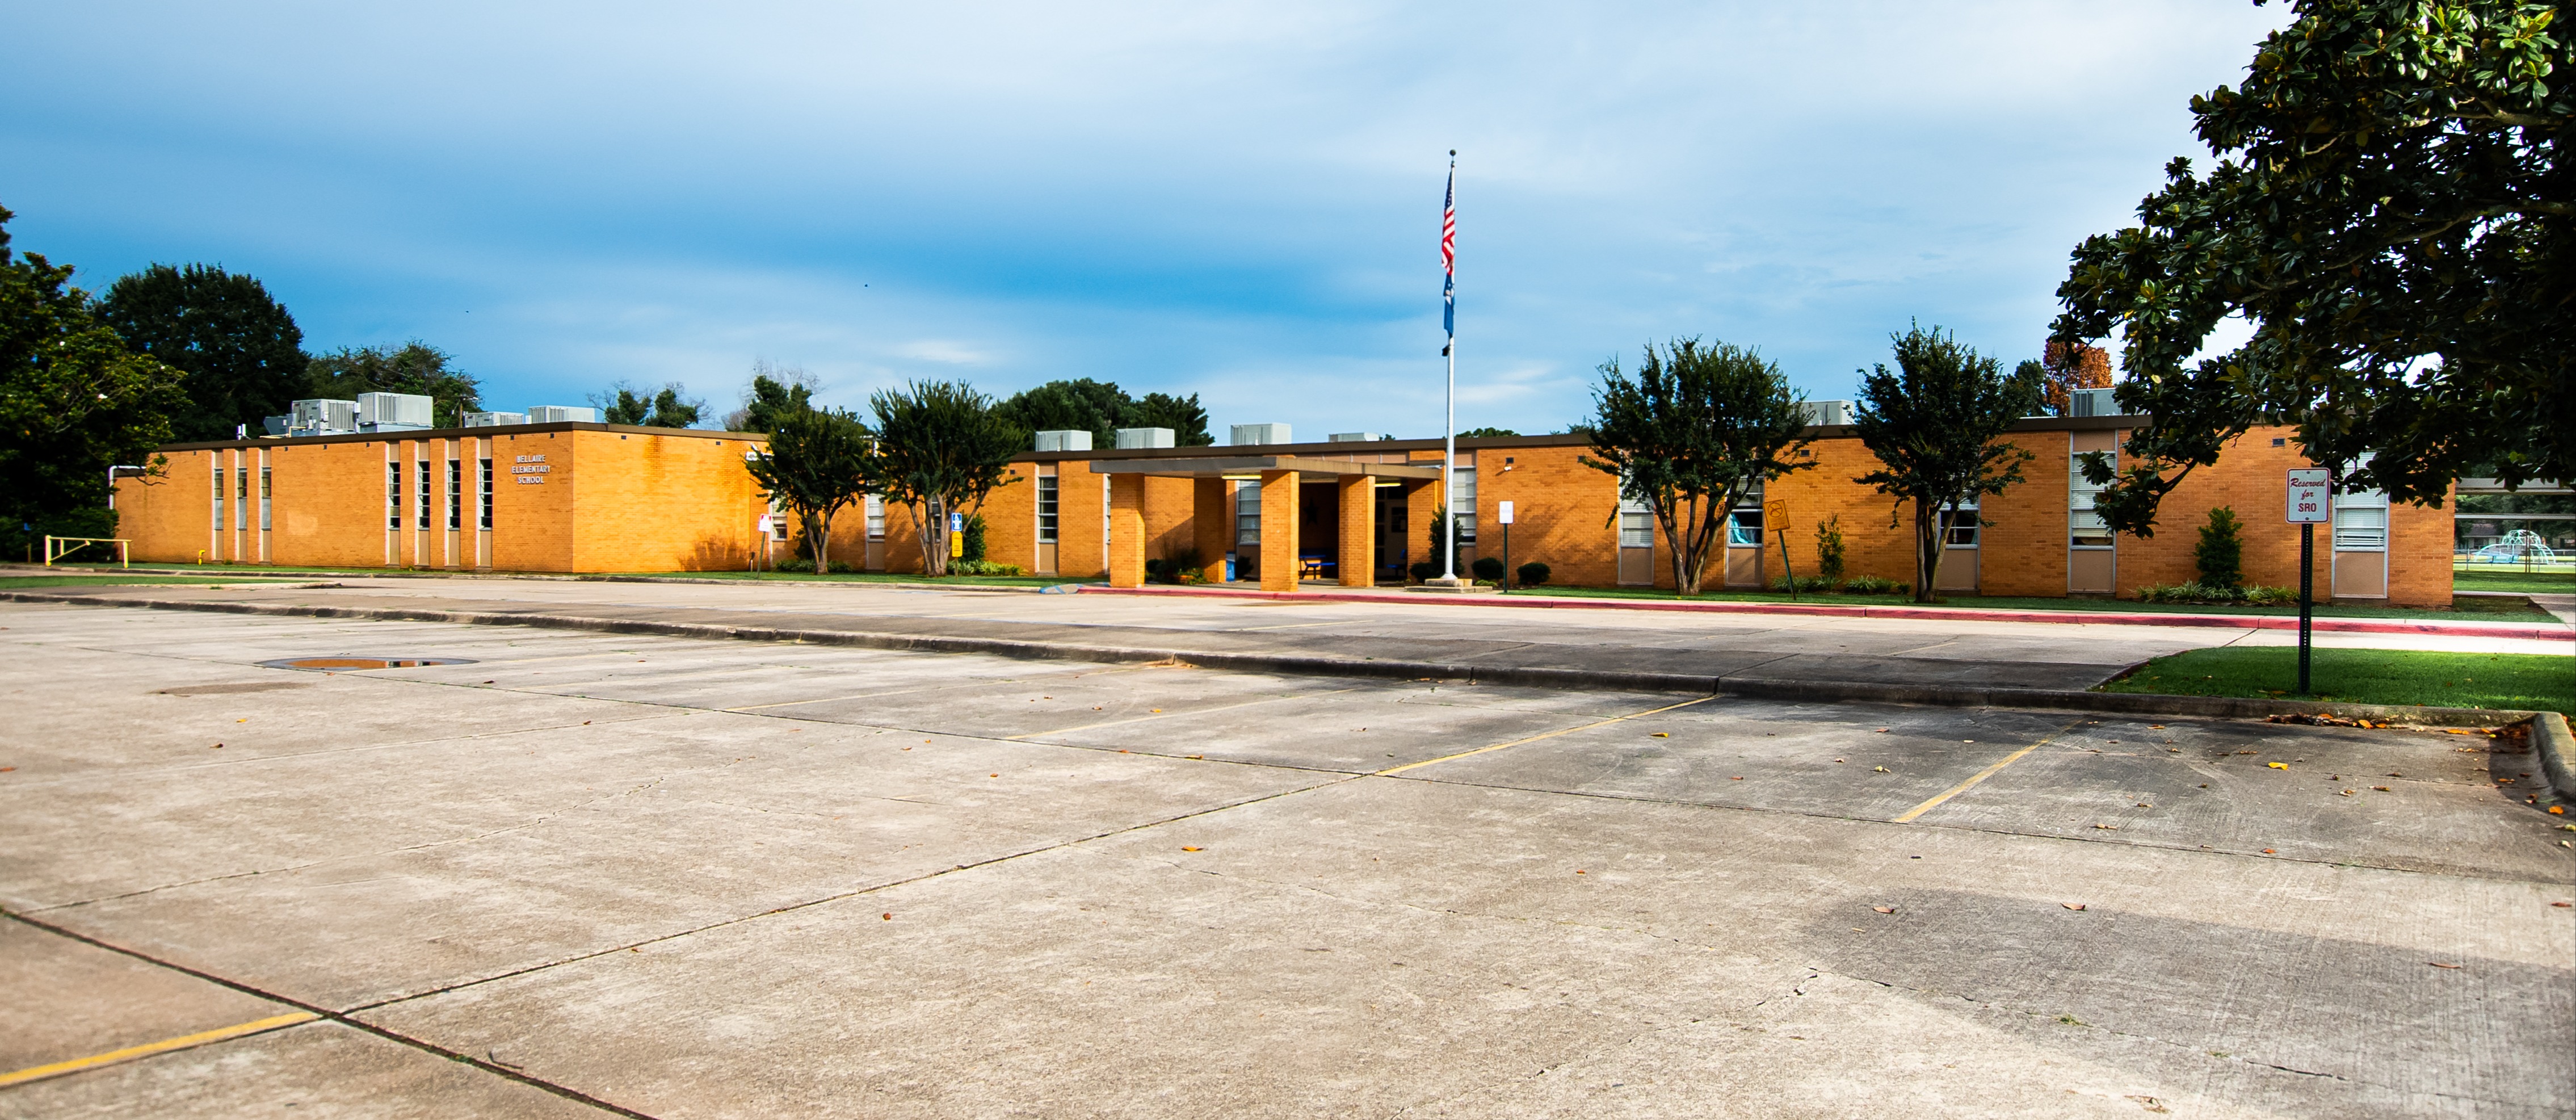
x,y
1503,514
531,469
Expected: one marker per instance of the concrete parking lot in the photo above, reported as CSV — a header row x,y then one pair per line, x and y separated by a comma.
x,y
586,874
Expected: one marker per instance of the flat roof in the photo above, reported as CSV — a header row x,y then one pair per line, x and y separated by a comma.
x,y
1485,443
1223,466
455,433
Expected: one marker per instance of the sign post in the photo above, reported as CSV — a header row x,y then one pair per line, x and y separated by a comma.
x,y
2311,502
956,535
1503,514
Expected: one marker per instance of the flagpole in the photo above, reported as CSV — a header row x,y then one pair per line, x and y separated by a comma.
x,y
1449,424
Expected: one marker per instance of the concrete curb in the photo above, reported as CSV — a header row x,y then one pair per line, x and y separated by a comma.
x,y
2122,703
2549,736
1964,614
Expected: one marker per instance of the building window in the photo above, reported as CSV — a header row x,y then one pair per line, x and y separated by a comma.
x,y
219,500
1959,525
1462,503
1247,513
455,494
1744,526
266,501
2361,521
483,502
241,498
876,518
1046,509
2084,527
1636,528
393,496
420,500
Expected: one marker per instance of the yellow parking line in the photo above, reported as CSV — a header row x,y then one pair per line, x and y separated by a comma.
x,y
219,1034
1984,774
1535,738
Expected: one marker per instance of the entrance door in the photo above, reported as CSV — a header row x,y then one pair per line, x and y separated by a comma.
x,y
1744,542
1636,545
1959,549
1394,536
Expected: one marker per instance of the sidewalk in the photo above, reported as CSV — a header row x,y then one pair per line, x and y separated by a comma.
x,y
1542,600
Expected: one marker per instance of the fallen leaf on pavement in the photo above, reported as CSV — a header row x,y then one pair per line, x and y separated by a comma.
x,y
2072,905
1881,769
1729,779
2270,852
1884,909
2438,964
2382,789
1663,734
2278,765
1189,849
1882,731
2347,793
2563,904
887,916
2108,827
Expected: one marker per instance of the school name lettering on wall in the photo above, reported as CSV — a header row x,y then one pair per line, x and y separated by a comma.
x,y
531,469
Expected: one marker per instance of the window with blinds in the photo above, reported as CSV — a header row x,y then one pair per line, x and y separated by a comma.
x,y
2085,527
1048,510
1462,503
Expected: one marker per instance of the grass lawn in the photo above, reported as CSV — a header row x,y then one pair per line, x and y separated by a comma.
x,y
2523,681
16,582
2490,609
2502,578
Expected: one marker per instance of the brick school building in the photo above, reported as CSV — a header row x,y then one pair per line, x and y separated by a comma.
x,y
574,497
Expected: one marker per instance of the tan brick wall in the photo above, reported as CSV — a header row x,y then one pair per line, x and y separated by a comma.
x,y
656,503
1563,513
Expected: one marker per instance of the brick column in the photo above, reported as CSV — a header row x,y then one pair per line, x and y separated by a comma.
x,y
1211,529
1358,559
1126,531
1279,531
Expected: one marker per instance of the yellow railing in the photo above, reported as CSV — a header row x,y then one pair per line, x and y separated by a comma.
x,y
58,547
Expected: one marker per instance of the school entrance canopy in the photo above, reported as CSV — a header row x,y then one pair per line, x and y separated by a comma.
x,y
1355,482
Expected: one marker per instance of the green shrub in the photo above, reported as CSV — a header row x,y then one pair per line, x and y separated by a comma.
x,y
1805,584
978,568
1533,573
2208,595
806,565
1423,570
1829,549
1488,568
972,548
2220,555
1875,585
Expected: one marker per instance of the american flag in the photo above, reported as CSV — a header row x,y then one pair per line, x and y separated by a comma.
x,y
1449,255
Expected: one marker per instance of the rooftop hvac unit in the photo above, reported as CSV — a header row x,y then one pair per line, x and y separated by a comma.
x,y
392,412
562,414
277,425
2091,402
494,419
1144,437
1064,441
1354,437
1253,435
1824,413
321,417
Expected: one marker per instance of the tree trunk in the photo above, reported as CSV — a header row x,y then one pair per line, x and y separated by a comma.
x,y
823,547
1928,547
817,538
931,520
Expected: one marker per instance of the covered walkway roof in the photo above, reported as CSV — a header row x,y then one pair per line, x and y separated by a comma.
x,y
1250,465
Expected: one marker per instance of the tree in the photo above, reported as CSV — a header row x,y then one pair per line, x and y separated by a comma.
x,y
621,404
415,367
1080,405
74,401
2387,210
775,391
1697,429
242,353
1101,408
816,464
1187,419
941,446
1932,423
1486,433
2066,367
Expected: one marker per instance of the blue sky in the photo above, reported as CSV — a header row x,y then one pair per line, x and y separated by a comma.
x,y
1241,202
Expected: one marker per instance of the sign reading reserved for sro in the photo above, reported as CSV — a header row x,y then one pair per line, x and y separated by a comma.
x,y
2311,496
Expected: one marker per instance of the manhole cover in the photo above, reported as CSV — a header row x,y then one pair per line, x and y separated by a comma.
x,y
341,663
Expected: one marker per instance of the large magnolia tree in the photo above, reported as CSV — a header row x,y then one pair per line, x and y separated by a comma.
x,y
2387,209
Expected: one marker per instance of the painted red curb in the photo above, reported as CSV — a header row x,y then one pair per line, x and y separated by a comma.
x,y
1969,614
